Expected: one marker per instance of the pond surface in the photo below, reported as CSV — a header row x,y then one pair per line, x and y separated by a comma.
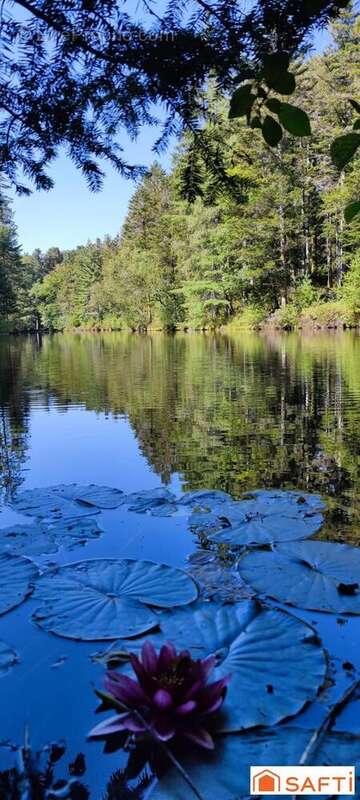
x,y
187,411
190,410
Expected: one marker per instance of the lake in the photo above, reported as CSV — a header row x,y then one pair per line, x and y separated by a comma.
x,y
191,410
230,412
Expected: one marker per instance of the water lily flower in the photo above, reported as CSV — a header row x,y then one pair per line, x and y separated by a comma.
x,y
170,697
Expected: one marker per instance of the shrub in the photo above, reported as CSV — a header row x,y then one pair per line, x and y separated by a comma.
x,y
330,314
305,294
286,317
250,317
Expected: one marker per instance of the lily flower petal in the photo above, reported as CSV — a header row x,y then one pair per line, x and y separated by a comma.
x,y
201,736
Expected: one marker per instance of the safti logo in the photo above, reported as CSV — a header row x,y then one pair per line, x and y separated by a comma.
x,y
302,780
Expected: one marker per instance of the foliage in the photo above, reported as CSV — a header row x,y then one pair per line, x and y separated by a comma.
x,y
350,291
280,244
286,317
34,775
77,74
331,314
249,318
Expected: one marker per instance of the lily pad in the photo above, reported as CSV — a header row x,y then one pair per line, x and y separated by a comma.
x,y
50,503
108,598
260,648
205,522
40,539
149,500
203,497
164,510
264,517
269,529
99,496
8,658
74,532
17,576
276,664
305,500
217,580
29,540
224,773
321,576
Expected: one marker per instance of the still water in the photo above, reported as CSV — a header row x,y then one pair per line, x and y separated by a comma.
x,y
194,410
188,411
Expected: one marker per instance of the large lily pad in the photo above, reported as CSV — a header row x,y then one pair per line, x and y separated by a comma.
x,y
264,517
320,576
8,658
17,576
40,539
224,773
275,665
275,661
50,503
109,598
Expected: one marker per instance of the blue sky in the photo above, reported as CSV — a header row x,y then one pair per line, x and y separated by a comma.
x,y
70,214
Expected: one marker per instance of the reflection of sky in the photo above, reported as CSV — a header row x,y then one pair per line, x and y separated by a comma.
x,y
70,214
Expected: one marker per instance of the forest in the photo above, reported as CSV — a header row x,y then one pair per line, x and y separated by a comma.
x,y
270,247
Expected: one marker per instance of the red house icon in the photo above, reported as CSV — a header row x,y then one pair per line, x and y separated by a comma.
x,y
266,781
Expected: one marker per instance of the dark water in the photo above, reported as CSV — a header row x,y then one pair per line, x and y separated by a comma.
x,y
224,412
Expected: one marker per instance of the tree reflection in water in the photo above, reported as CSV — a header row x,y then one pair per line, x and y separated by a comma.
x,y
232,412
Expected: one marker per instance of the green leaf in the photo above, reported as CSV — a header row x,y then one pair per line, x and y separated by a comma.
x,y
294,120
356,125
344,148
276,74
272,131
276,63
351,210
273,104
241,101
355,104
283,83
255,122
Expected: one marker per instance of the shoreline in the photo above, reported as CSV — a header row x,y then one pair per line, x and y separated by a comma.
x,y
264,327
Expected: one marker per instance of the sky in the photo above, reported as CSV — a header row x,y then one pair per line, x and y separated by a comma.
x,y
70,214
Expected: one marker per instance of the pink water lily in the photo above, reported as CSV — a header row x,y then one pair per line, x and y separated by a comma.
x,y
170,697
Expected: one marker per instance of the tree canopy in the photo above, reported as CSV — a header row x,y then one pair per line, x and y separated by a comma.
x,y
76,74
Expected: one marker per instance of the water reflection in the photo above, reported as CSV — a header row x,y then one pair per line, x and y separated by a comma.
x,y
229,412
